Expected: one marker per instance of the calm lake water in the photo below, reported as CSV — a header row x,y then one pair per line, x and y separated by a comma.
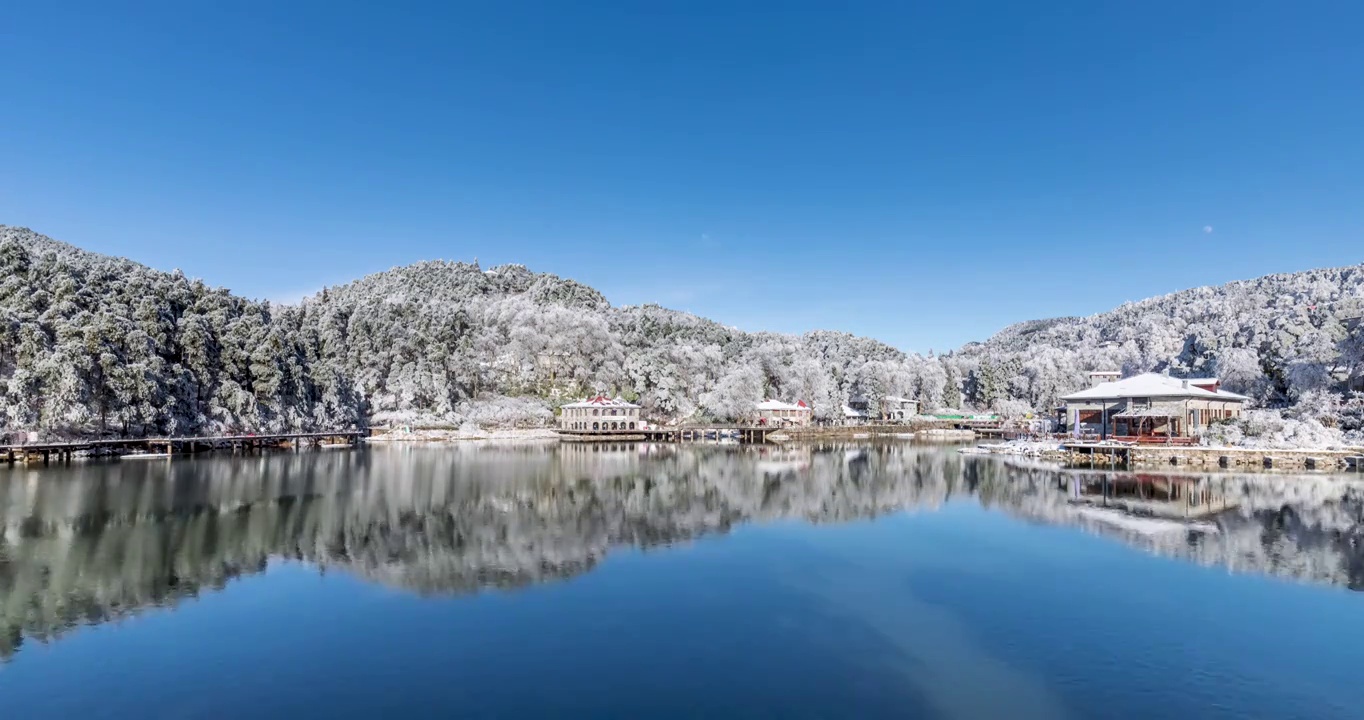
x,y
660,581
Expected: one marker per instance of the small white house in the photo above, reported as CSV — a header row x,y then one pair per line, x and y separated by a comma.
x,y
600,414
855,415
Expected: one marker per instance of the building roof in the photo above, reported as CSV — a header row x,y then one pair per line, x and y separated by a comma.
x,y
779,405
894,399
1152,385
851,413
601,401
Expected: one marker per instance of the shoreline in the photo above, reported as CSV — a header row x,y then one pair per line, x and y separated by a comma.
x,y
434,436
1195,456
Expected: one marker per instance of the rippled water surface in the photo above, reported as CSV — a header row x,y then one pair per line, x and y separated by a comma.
x,y
661,581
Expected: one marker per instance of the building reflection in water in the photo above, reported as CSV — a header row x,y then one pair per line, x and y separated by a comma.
x,y
1147,494
93,542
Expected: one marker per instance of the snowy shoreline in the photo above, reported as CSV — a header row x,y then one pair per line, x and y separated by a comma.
x,y
528,435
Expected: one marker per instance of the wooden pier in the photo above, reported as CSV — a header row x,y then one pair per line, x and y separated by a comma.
x,y
46,452
747,434
743,434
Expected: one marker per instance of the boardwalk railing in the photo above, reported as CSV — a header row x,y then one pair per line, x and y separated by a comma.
x,y
170,445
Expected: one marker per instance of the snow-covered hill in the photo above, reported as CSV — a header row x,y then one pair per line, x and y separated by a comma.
x,y
96,345
91,344
1280,339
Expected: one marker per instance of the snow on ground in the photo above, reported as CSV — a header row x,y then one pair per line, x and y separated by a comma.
x,y
1031,448
467,432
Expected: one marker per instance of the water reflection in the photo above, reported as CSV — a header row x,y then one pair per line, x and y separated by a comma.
x,y
89,543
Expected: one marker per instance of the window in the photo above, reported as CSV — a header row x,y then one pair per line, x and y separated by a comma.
x,y
595,411
595,426
632,426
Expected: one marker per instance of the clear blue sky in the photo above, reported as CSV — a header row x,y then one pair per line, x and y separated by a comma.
x,y
924,173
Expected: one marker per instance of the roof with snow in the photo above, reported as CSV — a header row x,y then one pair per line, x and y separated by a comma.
x,y
601,401
1152,385
851,413
779,405
898,400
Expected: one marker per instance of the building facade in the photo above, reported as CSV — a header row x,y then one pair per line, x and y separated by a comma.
x,y
776,412
898,409
600,414
1148,406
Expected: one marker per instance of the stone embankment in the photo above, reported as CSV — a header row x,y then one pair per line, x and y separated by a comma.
x,y
1211,457
1178,455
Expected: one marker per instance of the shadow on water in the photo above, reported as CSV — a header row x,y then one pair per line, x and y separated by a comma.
x,y
93,542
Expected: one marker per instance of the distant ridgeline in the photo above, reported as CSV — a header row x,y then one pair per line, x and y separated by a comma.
x,y
91,345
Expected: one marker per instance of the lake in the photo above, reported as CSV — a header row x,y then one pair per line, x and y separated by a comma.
x,y
629,581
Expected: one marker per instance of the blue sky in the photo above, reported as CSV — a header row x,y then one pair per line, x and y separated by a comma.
x,y
924,173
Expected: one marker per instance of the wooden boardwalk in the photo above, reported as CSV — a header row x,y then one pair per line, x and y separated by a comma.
x,y
744,434
47,451
747,434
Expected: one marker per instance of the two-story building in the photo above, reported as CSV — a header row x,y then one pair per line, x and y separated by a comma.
x,y
1148,406
891,409
600,414
778,413
898,409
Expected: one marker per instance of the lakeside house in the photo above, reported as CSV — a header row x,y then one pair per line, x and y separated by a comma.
x,y
600,414
893,409
776,412
853,414
1150,405
898,409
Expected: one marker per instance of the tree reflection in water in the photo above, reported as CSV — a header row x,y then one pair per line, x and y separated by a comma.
x,y
93,542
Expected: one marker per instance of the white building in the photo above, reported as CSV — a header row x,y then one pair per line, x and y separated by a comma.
x,y
600,414
776,412
855,415
898,409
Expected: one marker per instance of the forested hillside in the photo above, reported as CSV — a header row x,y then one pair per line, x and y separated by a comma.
x,y
95,345
1289,339
91,344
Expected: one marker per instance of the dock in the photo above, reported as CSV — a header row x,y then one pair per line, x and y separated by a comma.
x,y
749,434
743,434
48,451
